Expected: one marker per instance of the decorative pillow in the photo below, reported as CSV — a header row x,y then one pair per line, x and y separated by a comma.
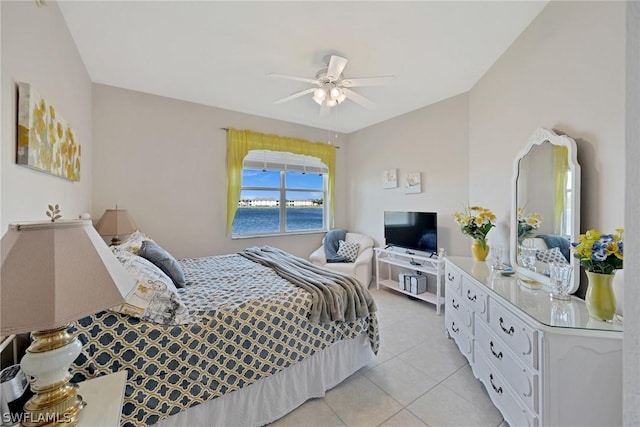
x,y
164,260
551,255
133,242
348,250
155,297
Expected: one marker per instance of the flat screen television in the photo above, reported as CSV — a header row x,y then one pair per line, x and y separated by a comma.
x,y
412,230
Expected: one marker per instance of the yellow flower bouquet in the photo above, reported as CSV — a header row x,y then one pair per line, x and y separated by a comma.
x,y
476,222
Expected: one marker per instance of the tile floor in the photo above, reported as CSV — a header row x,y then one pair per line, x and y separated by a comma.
x,y
419,378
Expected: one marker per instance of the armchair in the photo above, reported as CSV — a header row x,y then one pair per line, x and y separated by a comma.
x,y
360,269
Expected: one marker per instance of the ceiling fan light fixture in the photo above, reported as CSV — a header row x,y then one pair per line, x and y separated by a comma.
x,y
331,88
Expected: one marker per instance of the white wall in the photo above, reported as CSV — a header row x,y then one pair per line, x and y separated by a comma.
x,y
165,161
631,367
432,140
37,48
565,72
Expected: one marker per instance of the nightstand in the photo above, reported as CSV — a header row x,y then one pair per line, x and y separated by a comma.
x,y
104,396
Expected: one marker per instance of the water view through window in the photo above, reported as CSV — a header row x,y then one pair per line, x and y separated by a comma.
x,y
268,197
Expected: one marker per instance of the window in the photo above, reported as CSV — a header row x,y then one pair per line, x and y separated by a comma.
x,y
567,218
281,193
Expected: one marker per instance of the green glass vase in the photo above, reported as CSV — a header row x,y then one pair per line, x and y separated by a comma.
x,y
600,300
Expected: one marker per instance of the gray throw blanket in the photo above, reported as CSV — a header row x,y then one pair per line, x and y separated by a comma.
x,y
335,296
332,243
556,241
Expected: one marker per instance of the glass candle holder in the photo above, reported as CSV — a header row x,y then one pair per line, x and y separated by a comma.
x,y
560,280
495,256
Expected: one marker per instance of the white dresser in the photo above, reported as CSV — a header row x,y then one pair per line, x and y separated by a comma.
x,y
543,362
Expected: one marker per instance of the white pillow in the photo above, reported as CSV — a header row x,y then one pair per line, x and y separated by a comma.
x,y
132,243
155,298
348,250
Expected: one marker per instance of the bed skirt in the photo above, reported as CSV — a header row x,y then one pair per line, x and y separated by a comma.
x,y
275,396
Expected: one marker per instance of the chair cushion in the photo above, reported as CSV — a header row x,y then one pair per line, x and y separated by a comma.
x,y
348,250
363,240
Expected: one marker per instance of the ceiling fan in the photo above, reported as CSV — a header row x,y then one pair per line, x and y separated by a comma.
x,y
332,88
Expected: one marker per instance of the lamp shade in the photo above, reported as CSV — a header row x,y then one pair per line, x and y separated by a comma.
x,y
115,222
54,273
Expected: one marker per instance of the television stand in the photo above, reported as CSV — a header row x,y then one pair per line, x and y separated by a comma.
x,y
414,263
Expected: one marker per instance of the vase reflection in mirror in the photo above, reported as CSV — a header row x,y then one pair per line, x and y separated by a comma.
x,y
560,280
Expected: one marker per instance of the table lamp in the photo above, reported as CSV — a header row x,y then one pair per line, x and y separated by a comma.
x,y
116,222
52,274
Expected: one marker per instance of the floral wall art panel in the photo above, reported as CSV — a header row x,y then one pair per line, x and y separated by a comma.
x,y
45,141
412,183
390,178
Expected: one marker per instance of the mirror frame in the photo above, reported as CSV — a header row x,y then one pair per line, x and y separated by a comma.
x,y
540,136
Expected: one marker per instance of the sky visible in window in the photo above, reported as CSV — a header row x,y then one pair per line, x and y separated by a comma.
x,y
259,178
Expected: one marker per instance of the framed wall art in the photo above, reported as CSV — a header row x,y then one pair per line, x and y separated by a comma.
x,y
390,178
45,141
413,183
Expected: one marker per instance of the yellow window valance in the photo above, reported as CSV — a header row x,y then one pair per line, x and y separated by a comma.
x,y
240,142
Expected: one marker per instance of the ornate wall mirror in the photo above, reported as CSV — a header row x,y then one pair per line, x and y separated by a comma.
x,y
545,207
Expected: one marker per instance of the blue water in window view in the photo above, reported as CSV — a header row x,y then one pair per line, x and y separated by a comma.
x,y
267,220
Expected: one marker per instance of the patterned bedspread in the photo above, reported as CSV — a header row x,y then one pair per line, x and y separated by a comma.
x,y
250,324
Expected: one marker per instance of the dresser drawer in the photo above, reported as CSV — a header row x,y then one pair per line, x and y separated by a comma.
x,y
460,335
522,380
461,311
517,335
453,279
514,411
475,298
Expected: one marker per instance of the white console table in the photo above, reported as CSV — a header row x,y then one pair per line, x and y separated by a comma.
x,y
416,263
543,362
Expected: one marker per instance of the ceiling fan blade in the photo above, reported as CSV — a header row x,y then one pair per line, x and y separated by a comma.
x,y
300,79
368,81
324,109
336,66
358,99
294,96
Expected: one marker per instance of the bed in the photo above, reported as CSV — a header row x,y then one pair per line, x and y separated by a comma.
x,y
246,351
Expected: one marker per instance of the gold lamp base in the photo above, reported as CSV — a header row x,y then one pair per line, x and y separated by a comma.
x,y
56,401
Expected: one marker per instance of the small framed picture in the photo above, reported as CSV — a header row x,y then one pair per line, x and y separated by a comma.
x,y
412,183
390,178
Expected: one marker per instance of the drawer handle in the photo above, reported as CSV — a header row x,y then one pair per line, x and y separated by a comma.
x,y
453,327
454,305
496,355
496,389
509,331
450,277
469,295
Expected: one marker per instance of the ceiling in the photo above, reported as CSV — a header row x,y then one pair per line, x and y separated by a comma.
x,y
220,53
